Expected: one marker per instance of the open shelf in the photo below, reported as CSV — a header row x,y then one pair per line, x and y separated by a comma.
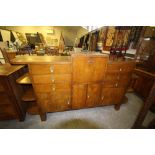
x,y
25,79
29,96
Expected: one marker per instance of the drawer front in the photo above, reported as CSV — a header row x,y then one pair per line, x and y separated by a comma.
x,y
57,101
50,68
47,88
51,78
120,67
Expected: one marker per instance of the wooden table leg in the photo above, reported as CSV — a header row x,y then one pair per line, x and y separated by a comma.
x,y
145,108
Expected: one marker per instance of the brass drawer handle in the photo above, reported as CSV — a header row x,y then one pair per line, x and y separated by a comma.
x,y
102,97
53,80
52,69
53,89
68,102
88,96
116,84
120,69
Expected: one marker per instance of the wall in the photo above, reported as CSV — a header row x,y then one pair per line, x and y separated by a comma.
x,y
70,33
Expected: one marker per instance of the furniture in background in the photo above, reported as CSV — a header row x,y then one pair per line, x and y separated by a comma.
x,y
11,106
8,55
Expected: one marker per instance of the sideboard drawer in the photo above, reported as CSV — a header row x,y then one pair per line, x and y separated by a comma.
x,y
50,68
51,78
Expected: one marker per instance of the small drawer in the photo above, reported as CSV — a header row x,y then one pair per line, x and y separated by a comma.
x,y
61,86
51,78
50,68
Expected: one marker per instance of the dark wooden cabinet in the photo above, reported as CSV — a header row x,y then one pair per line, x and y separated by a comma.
x,y
11,106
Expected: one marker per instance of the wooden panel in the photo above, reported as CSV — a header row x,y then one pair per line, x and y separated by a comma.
x,y
89,69
111,96
51,78
93,95
79,96
50,68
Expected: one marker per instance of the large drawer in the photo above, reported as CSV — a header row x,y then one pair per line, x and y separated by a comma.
x,y
120,67
50,68
51,78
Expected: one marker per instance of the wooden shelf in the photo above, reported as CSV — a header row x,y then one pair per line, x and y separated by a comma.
x,y
33,108
25,79
29,96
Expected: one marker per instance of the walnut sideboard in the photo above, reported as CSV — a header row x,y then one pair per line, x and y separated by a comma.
x,y
79,81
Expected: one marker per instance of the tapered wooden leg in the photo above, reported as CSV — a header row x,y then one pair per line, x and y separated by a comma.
x,y
43,116
117,106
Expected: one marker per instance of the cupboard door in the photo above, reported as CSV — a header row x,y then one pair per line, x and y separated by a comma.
x,y
93,95
79,96
111,96
61,100
89,69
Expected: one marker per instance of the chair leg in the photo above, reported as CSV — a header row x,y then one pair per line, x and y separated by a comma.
x,y
43,116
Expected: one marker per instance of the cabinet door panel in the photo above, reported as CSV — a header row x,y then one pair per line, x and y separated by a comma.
x,y
79,96
111,96
89,69
93,95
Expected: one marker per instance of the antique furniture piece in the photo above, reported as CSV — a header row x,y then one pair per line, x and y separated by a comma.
x,y
81,81
10,93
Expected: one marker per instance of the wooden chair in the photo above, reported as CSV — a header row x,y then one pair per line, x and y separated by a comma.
x,y
5,55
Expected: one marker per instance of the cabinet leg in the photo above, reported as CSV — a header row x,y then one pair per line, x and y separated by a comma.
x,y
43,116
117,106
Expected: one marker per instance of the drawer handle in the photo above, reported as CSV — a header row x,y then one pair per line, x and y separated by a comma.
x,y
53,80
53,89
52,69
116,84
88,96
90,61
68,102
120,69
102,97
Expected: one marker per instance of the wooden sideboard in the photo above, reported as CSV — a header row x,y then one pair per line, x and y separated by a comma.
x,y
10,93
79,81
